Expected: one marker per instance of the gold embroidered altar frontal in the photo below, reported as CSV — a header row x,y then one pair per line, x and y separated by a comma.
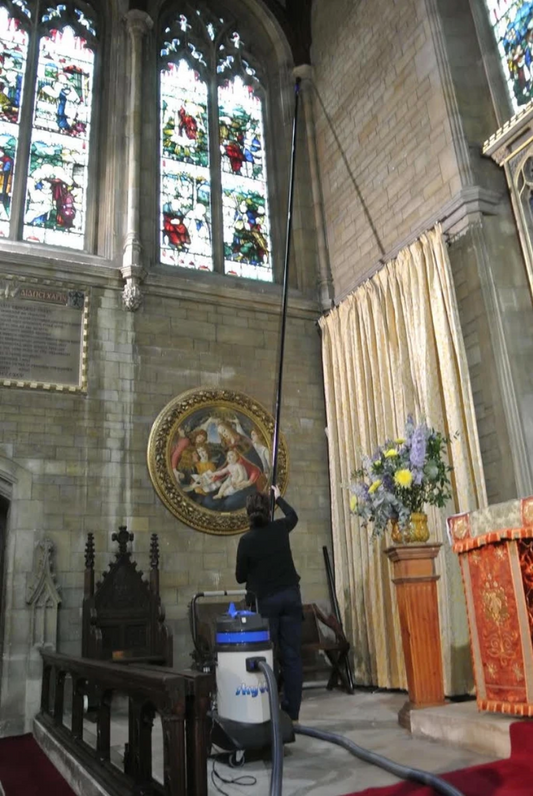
x,y
495,548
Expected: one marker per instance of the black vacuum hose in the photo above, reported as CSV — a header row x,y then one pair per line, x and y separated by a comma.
x,y
403,772
277,741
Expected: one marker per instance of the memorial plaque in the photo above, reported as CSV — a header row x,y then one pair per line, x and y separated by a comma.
x,y
42,336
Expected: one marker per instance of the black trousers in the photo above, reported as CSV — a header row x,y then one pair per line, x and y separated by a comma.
x,y
284,613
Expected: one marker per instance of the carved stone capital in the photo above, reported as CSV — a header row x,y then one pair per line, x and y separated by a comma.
x,y
132,295
305,72
138,23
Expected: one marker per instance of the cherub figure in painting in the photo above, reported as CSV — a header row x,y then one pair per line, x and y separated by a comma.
x,y
202,479
237,476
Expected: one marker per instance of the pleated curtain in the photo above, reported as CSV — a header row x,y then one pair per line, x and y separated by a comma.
x,y
394,347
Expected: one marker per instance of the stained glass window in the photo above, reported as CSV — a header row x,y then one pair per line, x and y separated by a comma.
x,y
244,189
185,177
53,164
56,194
512,22
213,179
13,55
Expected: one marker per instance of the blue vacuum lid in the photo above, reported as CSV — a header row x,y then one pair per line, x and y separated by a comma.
x,y
241,627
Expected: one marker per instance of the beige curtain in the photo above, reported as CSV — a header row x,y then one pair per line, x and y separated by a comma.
x,y
392,347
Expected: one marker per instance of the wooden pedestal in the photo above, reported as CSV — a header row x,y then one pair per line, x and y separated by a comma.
x,y
414,575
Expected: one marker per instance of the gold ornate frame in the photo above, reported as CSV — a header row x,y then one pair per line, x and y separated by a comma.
x,y
180,412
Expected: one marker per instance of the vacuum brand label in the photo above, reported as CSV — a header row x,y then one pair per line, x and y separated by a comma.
x,y
251,690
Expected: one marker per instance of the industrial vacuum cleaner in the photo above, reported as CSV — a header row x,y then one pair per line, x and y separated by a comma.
x,y
245,712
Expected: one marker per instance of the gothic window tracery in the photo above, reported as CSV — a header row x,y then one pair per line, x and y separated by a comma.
x,y
213,178
47,63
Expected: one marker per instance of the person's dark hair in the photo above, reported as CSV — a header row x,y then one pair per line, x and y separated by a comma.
x,y
258,508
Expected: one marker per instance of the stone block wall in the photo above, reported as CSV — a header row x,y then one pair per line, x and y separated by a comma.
x,y
383,135
79,461
403,105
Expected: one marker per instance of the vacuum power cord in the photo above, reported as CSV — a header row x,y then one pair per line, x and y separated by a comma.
x,y
403,772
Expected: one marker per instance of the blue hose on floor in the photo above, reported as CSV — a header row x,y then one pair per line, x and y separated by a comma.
x,y
403,772
277,742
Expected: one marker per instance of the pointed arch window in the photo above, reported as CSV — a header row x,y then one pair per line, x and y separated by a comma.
x,y
213,172
47,68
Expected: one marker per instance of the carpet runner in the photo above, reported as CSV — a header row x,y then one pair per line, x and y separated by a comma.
x,y
25,770
510,777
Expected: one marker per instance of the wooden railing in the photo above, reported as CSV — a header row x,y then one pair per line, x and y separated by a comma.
x,y
180,698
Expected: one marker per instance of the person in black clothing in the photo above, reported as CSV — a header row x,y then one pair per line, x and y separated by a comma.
x,y
265,564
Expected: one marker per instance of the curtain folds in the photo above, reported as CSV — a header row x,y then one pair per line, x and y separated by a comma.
x,y
392,347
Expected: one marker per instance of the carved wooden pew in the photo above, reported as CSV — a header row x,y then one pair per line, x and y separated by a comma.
x,y
181,699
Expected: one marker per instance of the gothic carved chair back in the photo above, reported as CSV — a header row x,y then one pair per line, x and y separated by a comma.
x,y
123,618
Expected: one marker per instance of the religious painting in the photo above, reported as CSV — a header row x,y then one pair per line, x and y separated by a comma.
x,y
208,450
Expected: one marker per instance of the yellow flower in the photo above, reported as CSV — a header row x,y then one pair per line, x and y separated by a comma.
x,y
375,485
390,453
399,441
353,502
403,478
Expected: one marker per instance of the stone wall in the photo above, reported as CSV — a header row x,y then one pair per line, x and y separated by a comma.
x,y
403,105
383,135
79,461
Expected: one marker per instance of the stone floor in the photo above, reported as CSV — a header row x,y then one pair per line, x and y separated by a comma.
x,y
314,768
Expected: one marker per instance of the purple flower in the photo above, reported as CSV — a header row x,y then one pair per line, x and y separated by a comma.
x,y
388,483
409,426
360,490
418,447
418,477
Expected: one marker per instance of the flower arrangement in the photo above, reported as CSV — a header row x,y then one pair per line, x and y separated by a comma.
x,y
402,477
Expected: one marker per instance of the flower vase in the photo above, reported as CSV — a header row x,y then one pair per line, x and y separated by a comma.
x,y
418,528
396,534
416,532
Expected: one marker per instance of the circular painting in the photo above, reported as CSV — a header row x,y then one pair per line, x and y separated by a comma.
x,y
208,450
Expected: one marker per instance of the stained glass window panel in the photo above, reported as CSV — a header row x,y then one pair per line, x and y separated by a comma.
x,y
13,52
185,177
512,22
244,189
56,195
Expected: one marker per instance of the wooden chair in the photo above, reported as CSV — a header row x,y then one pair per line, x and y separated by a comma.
x,y
203,625
123,618
321,633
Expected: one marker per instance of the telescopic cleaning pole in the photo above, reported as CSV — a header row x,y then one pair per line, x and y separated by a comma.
x,y
275,439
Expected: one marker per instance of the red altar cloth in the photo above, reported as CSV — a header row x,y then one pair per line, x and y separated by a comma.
x,y
495,548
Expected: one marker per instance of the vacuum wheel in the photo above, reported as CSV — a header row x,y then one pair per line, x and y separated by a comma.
x,y
236,758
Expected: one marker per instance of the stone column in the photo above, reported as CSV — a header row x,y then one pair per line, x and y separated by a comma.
x,y
138,24
414,576
325,286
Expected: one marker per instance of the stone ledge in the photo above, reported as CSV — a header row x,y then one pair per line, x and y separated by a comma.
x,y
70,769
464,725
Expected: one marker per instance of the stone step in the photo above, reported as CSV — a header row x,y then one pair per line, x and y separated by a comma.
x,y
462,724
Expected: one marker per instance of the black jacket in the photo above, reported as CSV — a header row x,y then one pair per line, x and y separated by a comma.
x,y
264,557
